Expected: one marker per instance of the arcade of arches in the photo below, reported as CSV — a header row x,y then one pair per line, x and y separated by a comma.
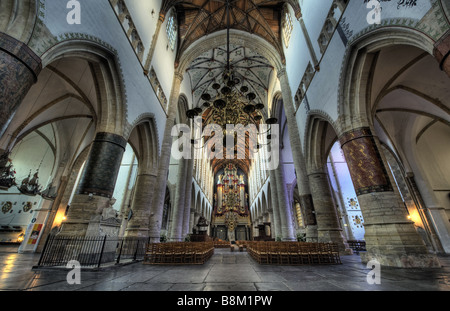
x,y
346,125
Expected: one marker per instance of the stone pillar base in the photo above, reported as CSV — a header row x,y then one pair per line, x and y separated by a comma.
x,y
81,214
136,233
335,236
311,234
401,260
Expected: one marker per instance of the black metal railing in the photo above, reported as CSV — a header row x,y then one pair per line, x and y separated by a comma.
x,y
91,251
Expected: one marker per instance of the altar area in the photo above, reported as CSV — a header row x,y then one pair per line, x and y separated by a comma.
x,y
231,216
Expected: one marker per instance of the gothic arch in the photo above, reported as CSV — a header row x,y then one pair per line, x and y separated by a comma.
x,y
144,140
320,137
112,113
352,109
264,203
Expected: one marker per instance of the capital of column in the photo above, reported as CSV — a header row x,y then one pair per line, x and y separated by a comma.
x,y
298,14
179,76
281,72
162,17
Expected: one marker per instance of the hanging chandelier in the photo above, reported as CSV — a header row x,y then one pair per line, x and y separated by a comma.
x,y
233,102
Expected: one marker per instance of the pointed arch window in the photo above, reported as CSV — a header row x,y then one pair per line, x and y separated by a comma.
x,y
172,30
288,27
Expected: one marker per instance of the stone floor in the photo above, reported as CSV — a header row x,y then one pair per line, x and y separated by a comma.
x,y
225,271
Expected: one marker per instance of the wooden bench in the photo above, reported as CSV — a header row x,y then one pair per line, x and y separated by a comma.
x,y
179,253
294,253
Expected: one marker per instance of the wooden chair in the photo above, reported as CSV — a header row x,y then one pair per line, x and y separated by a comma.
x,y
168,253
283,253
335,253
263,253
303,254
325,253
294,254
314,253
188,257
273,252
178,253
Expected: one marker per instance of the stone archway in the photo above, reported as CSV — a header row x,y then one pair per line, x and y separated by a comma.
x,y
361,91
144,139
320,136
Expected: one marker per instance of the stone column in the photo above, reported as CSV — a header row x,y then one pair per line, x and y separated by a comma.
x,y
178,207
391,238
276,224
191,221
287,229
19,69
140,207
328,228
188,197
442,53
164,161
149,59
196,218
304,191
97,183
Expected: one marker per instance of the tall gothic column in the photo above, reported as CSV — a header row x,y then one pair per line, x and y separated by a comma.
x,y
276,224
179,204
297,154
164,161
19,69
287,229
188,197
328,228
442,53
97,182
192,220
391,238
143,194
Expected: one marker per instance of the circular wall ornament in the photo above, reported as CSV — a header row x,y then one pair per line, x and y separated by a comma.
x,y
6,207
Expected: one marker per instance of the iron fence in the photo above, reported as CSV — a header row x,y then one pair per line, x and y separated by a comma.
x,y
91,251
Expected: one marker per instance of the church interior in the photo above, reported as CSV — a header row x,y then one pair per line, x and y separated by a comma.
x,y
289,133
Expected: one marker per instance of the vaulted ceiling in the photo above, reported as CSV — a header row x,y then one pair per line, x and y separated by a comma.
x,y
254,74
198,18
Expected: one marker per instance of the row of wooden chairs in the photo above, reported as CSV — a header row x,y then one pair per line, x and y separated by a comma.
x,y
179,253
221,244
357,245
294,253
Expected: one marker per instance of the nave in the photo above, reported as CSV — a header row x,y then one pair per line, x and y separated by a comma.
x,y
225,271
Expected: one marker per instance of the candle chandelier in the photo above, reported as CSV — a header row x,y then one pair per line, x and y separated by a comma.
x,y
233,102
